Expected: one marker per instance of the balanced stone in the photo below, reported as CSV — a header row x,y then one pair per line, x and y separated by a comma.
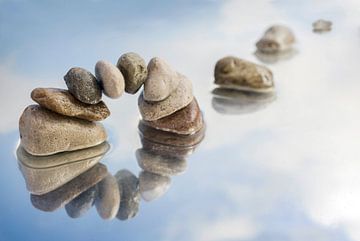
x,y
178,99
162,165
235,73
276,39
185,121
110,78
45,174
62,102
134,70
81,204
63,195
108,199
161,80
130,194
322,25
153,186
44,132
83,85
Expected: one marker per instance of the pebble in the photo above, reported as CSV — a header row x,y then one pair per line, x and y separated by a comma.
x,y
44,132
108,199
233,102
277,38
185,121
322,26
130,194
81,204
162,165
62,102
110,78
171,139
63,195
178,99
134,70
161,81
47,173
153,186
83,85
235,73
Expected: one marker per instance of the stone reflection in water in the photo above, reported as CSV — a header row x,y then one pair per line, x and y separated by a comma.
x,y
153,186
275,57
234,102
81,204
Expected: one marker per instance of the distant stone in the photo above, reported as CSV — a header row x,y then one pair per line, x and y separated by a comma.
x,y
277,38
239,74
62,102
110,78
130,194
162,165
46,173
272,58
83,85
81,204
44,132
322,26
153,186
63,195
161,81
134,70
178,99
185,121
108,199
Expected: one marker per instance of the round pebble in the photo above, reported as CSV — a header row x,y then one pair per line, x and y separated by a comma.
x,y
110,78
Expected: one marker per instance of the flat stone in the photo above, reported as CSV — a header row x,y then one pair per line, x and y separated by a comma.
x,y
44,132
162,165
161,81
134,70
170,139
277,38
47,173
83,85
110,78
178,99
185,121
322,25
153,186
130,194
63,195
233,102
108,199
239,74
62,102
81,204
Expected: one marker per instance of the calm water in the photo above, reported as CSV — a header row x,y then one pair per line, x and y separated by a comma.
x,y
282,169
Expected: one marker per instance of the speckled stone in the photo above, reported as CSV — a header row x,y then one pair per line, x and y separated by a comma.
x,y
161,81
153,186
44,132
185,121
110,78
134,70
178,99
233,102
322,25
235,73
63,195
47,173
171,139
277,38
162,165
108,199
62,102
81,204
130,194
83,85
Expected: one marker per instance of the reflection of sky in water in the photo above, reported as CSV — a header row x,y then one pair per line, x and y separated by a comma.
x,y
286,172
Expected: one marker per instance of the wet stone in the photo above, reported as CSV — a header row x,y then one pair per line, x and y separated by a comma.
x,y
153,186
83,85
276,39
62,102
110,78
81,204
134,70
